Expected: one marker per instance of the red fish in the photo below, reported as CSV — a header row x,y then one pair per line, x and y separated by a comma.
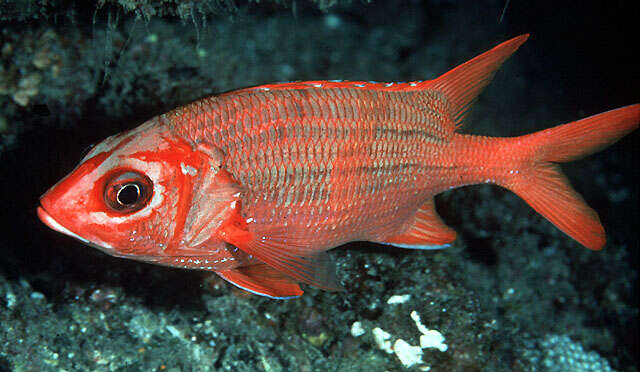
x,y
257,184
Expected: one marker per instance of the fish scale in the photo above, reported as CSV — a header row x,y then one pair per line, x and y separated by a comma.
x,y
381,145
256,184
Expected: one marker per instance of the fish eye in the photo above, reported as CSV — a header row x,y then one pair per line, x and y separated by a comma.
x,y
128,191
128,194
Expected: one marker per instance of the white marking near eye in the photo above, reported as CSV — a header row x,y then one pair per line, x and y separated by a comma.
x,y
187,169
101,218
153,170
106,145
111,142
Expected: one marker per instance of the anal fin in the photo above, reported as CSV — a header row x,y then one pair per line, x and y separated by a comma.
x,y
426,231
262,280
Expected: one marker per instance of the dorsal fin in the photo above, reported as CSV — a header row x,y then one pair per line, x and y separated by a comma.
x,y
464,83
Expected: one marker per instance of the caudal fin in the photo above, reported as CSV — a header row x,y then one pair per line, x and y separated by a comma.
x,y
548,191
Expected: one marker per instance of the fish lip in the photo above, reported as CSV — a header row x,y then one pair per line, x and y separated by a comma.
x,y
46,219
51,222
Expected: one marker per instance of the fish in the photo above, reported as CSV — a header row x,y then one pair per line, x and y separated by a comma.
x,y
257,184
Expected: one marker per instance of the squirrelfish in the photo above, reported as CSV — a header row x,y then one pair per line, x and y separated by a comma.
x,y
257,184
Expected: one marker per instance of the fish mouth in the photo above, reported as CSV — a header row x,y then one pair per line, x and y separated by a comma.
x,y
46,218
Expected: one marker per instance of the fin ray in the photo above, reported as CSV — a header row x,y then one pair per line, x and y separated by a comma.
x,y
426,231
263,280
284,251
548,191
316,269
464,83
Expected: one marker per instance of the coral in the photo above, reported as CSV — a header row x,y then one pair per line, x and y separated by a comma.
x,y
559,353
72,73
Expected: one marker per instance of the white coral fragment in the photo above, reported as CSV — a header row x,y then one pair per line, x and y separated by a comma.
x,y
433,339
408,355
357,330
430,338
398,299
382,339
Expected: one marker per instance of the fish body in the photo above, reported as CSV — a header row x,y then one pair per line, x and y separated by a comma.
x,y
257,184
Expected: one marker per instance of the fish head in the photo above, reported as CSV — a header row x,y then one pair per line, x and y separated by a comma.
x,y
132,195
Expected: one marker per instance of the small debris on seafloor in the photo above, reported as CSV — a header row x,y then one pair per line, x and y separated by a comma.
x,y
357,330
398,299
430,338
408,354
382,339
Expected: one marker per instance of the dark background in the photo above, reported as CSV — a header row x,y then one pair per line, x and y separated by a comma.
x,y
580,60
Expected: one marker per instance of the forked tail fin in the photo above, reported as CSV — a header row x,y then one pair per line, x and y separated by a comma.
x,y
547,190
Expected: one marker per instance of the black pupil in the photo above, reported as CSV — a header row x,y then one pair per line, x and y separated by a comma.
x,y
129,194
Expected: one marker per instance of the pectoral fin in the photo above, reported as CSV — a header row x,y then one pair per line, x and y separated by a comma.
x,y
262,280
313,268
283,250
425,231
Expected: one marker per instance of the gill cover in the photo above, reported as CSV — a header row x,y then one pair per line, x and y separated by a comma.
x,y
143,194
